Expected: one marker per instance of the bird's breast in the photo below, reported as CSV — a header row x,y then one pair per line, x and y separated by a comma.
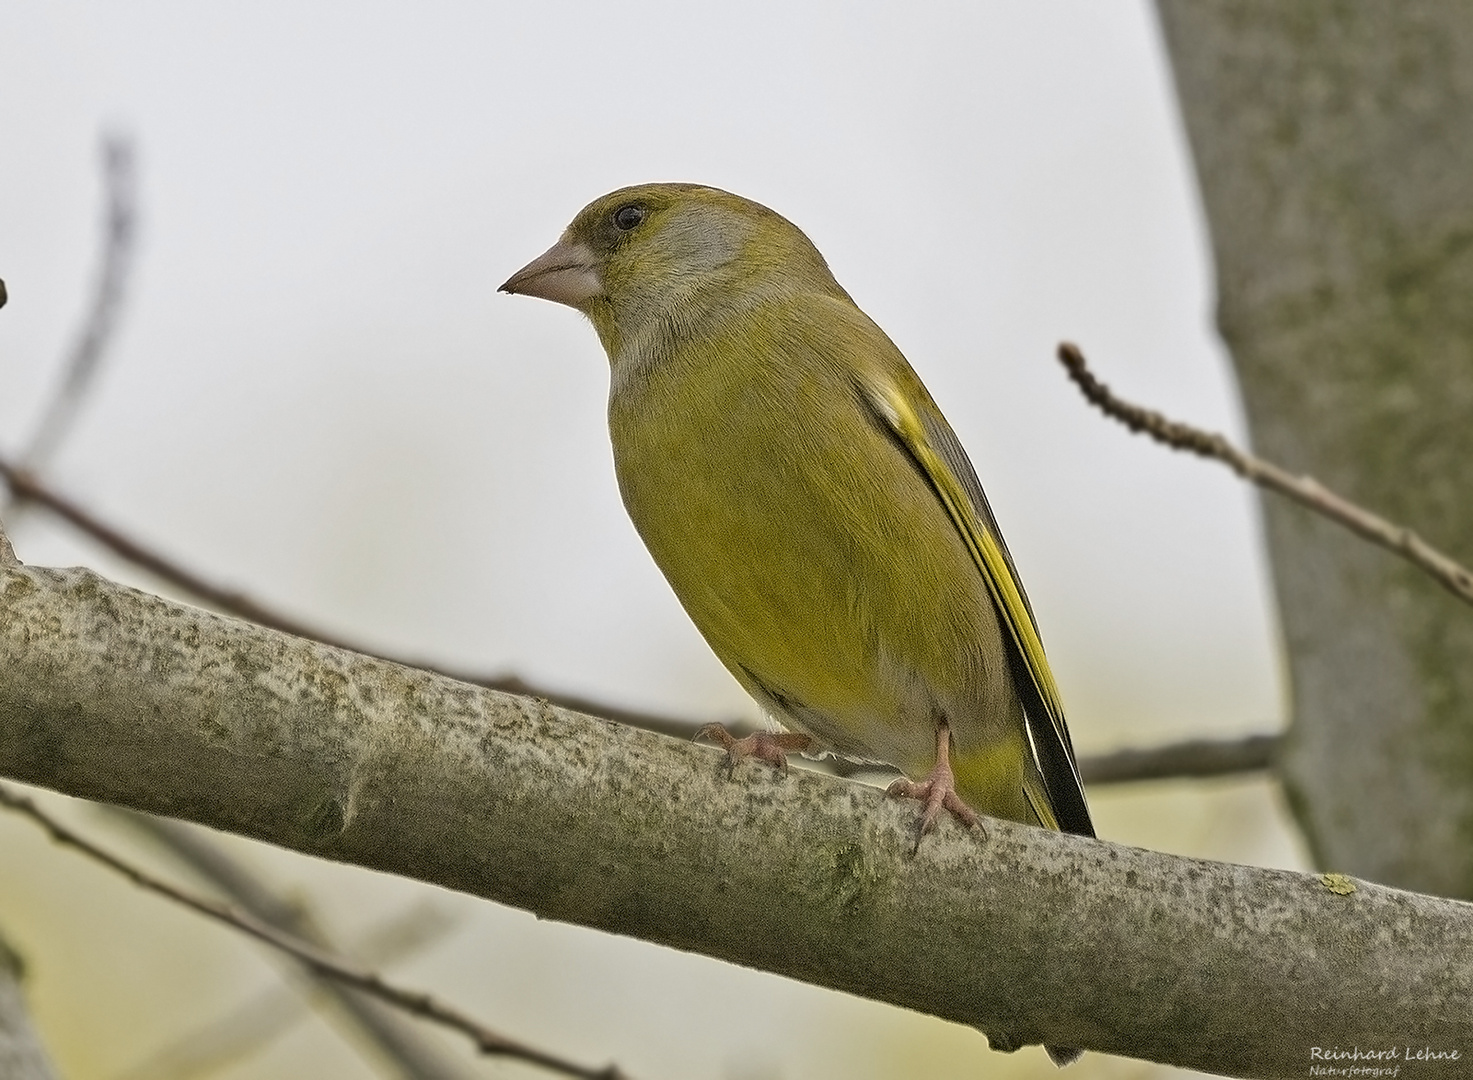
x,y
805,546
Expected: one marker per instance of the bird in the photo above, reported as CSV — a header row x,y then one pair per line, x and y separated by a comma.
x,y
810,505
811,508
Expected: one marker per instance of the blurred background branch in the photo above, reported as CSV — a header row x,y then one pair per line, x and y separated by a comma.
x,y
1191,758
398,1048
22,1057
249,1027
84,360
321,961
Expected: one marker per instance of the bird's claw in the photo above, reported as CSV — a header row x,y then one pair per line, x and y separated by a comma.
x,y
769,746
936,792
936,797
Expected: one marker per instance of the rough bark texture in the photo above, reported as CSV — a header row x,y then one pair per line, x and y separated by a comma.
x,y
22,1056
1334,146
116,695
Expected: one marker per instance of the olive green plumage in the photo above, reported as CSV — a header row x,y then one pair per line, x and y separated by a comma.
x,y
806,499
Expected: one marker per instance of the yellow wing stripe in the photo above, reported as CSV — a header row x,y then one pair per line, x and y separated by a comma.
x,y
986,552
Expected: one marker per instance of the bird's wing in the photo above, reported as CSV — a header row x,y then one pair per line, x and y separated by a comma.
x,y
917,424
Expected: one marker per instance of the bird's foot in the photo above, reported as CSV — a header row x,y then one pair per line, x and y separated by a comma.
x,y
936,792
769,746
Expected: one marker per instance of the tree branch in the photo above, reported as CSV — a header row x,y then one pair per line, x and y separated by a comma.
x,y
120,220
304,952
112,694
1305,490
25,487
1195,758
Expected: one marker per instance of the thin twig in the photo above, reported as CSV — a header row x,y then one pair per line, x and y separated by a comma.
x,y
391,1036
1305,490
85,359
26,487
324,963
1194,758
209,1049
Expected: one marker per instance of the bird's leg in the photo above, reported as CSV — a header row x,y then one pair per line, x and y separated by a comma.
x,y
769,746
937,791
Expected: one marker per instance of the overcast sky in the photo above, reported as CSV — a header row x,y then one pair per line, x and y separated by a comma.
x,y
317,395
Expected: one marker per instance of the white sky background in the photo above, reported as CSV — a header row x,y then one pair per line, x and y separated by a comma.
x,y
317,395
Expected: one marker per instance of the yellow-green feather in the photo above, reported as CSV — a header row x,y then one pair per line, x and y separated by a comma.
x,y
780,459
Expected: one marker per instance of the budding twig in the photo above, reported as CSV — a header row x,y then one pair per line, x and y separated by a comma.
x,y
1305,490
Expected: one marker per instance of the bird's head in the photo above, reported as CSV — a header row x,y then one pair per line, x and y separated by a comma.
x,y
670,255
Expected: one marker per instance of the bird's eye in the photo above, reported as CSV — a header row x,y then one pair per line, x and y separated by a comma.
x,y
627,217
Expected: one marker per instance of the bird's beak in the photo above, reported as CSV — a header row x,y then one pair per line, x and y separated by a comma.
x,y
566,273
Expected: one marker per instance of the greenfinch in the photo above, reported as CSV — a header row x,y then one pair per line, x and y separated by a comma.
x,y
811,507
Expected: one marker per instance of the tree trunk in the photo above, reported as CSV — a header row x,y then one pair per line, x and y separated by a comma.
x,y
1334,146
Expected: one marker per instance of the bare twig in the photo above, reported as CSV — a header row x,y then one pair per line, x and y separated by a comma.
x,y
208,1050
384,1032
87,352
26,487
1194,758
1305,490
324,963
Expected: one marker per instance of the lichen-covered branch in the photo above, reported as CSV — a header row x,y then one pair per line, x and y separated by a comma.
x,y
112,694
